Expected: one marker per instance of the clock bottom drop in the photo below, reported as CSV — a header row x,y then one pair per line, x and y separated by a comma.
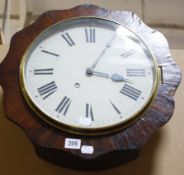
x,y
68,160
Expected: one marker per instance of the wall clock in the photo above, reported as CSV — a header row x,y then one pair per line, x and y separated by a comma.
x,y
88,85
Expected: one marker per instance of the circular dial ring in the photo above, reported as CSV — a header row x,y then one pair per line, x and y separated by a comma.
x,y
91,72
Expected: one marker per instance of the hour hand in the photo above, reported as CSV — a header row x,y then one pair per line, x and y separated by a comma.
x,y
114,77
91,72
118,78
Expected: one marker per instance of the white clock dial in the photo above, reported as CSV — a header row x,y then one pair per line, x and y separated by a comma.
x,y
89,74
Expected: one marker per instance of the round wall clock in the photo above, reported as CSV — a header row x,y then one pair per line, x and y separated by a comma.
x,y
88,85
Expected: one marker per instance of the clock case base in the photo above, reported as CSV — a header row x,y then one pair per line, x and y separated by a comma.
x,y
109,150
111,160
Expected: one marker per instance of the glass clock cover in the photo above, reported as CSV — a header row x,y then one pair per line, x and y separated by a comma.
x,y
88,74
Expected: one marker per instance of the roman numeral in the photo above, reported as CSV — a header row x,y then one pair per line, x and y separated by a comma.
x,y
115,108
50,53
47,90
131,92
136,72
68,39
128,53
43,71
89,112
90,35
63,105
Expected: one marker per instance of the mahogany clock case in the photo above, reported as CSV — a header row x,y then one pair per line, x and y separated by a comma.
x,y
109,150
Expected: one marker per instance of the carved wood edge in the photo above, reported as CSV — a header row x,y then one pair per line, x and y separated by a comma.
x,y
46,137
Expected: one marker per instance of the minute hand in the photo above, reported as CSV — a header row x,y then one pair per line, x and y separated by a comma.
x,y
107,45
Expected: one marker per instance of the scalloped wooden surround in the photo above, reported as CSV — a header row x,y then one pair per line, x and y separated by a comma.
x,y
109,150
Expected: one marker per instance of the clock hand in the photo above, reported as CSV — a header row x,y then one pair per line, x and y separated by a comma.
x,y
114,77
91,72
118,78
107,45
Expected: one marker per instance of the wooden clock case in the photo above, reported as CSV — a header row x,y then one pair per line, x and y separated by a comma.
x,y
111,149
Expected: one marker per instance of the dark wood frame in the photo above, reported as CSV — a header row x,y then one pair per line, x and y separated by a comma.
x,y
109,150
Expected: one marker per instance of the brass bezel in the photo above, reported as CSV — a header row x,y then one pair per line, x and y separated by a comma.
x,y
89,131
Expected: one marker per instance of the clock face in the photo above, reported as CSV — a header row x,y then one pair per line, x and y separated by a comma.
x,y
88,74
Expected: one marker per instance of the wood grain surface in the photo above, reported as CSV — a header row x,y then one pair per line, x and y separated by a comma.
x,y
110,150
